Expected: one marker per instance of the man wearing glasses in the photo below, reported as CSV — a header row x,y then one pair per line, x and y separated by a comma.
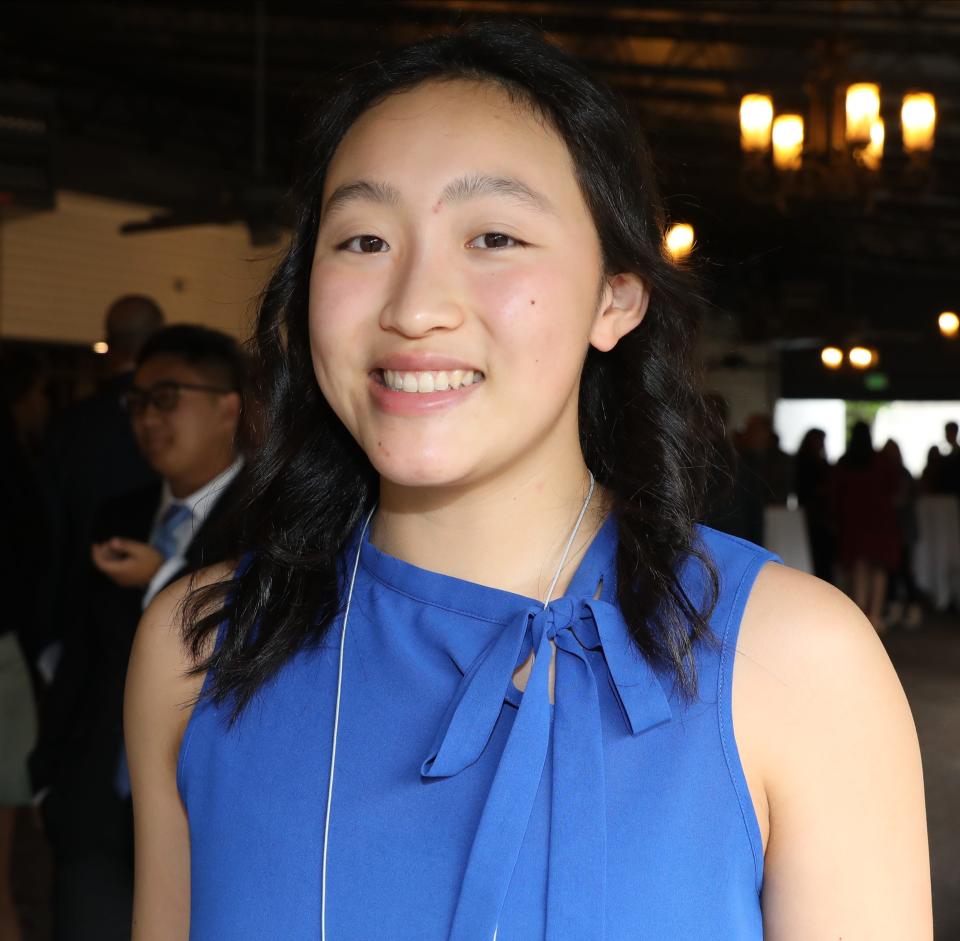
x,y
185,406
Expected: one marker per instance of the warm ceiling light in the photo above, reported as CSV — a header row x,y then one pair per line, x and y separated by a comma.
x,y
872,155
949,323
680,240
919,119
101,347
861,357
787,141
831,357
756,119
863,109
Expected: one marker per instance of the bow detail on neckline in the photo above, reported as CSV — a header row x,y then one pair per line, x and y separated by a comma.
x,y
577,865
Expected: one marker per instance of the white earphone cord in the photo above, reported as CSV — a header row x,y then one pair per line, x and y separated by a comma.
x,y
336,711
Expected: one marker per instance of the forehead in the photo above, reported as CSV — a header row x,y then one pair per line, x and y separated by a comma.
x,y
420,140
167,367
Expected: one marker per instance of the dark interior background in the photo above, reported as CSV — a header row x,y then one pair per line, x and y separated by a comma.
x,y
196,107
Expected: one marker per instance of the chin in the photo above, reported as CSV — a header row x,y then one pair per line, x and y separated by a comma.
x,y
163,466
405,470
158,465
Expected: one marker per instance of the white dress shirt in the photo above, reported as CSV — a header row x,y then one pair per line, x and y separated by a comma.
x,y
199,503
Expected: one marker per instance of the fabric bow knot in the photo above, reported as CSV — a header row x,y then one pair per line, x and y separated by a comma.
x,y
580,628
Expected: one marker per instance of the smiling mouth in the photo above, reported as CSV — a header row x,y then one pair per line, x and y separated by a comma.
x,y
421,382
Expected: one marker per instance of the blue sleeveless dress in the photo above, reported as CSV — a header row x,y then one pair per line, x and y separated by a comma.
x,y
464,808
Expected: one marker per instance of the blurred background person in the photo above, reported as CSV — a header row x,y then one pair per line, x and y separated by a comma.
x,y
868,540
812,482
23,415
930,479
751,488
764,475
90,457
722,509
904,597
185,405
778,469
950,468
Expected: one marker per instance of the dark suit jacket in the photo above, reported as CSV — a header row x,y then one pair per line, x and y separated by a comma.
x,y
90,457
81,728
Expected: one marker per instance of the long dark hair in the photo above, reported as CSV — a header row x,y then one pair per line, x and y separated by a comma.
x,y
641,414
860,452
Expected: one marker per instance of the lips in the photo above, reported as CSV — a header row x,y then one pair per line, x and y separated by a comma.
x,y
414,402
424,362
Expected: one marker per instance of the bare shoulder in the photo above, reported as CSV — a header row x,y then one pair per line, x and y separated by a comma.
x,y
159,692
159,655
164,613
812,639
831,754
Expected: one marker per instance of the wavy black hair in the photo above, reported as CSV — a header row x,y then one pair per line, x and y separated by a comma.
x,y
641,413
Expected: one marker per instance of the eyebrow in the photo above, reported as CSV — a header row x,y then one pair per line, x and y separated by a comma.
x,y
471,187
459,191
361,190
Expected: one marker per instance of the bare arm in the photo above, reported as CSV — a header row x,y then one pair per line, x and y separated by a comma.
x,y
825,721
155,717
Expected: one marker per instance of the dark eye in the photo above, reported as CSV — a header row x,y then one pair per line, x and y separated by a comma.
x,y
365,244
166,397
493,240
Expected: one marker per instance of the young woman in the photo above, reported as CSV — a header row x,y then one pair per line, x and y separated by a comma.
x,y
480,674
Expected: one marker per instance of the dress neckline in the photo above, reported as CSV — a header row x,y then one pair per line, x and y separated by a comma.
x,y
596,567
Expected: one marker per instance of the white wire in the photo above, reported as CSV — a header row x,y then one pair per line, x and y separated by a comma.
x,y
566,548
336,728
336,713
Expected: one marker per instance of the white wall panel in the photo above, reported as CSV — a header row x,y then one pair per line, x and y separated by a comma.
x,y
60,270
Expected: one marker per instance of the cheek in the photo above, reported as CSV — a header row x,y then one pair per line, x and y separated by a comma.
x,y
191,433
341,308
537,315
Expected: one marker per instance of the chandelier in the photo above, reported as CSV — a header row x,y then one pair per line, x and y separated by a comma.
x,y
838,150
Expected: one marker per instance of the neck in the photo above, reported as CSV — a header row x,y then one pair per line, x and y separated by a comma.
x,y
182,485
507,532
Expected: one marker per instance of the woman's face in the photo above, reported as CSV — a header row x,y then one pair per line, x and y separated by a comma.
x,y
455,254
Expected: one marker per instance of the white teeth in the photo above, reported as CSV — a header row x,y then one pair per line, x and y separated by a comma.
x,y
426,381
392,379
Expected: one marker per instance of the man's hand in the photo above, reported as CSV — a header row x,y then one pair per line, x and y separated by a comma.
x,y
126,562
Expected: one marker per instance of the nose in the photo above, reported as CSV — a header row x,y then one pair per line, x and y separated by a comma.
x,y
424,297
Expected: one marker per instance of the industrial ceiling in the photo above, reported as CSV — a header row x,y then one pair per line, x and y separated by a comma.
x,y
197,107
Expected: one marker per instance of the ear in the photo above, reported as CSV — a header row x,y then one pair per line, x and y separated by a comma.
x,y
623,305
230,407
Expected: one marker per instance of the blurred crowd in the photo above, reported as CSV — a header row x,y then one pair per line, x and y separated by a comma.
x,y
103,504
860,514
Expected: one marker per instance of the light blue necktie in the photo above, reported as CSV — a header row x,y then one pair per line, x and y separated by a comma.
x,y
163,539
